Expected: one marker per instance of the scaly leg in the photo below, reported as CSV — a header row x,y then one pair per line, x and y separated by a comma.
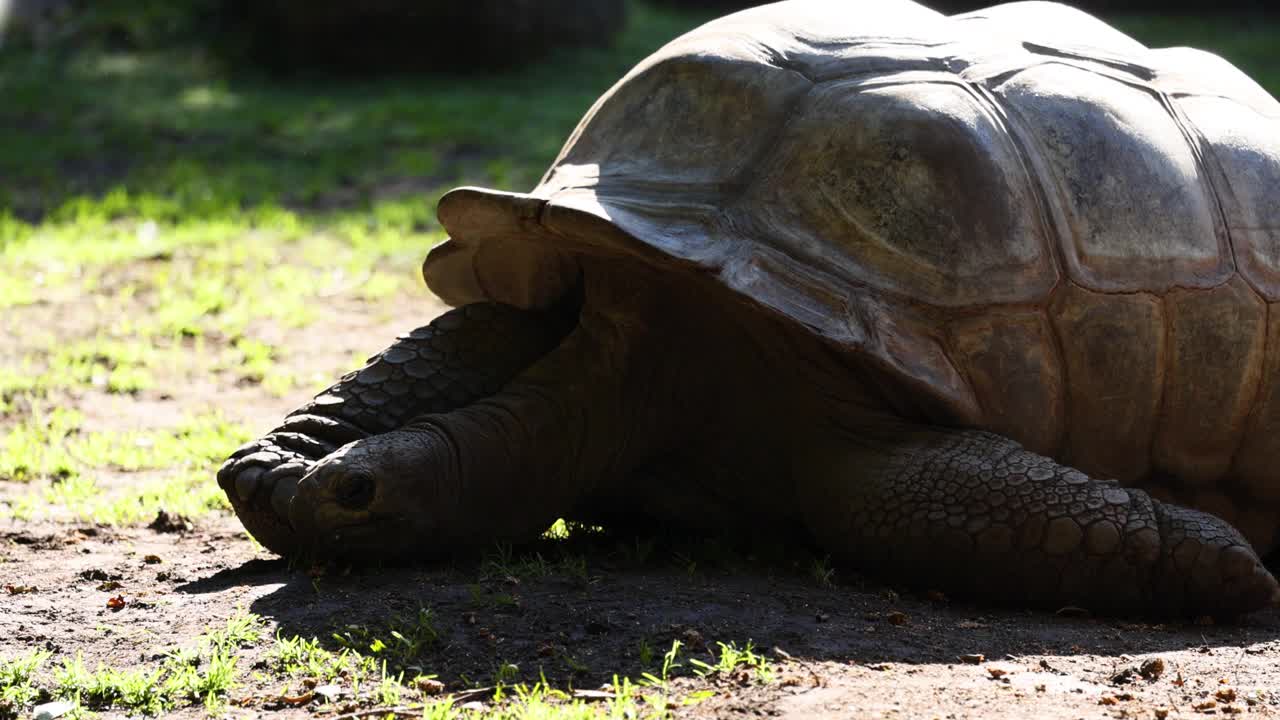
x,y
972,512
464,355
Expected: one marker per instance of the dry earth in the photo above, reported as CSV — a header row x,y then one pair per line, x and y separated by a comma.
x,y
858,651
852,649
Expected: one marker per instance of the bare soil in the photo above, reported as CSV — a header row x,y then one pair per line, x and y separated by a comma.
x,y
853,650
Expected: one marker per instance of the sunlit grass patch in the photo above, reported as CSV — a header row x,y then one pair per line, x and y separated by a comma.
x,y
200,674
298,672
58,457
56,445
731,659
17,681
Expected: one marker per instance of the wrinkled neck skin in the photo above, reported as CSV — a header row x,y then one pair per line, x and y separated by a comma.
x,y
658,367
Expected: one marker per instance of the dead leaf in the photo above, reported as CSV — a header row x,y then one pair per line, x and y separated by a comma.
x,y
116,602
973,659
110,585
430,686
21,589
297,700
151,559
897,617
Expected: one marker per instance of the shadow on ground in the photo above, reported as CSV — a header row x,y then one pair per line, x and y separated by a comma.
x,y
579,619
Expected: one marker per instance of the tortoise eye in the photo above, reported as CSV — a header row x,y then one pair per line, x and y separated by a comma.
x,y
355,491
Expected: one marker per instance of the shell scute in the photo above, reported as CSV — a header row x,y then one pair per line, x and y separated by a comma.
x,y
1124,185
1216,343
924,196
1242,152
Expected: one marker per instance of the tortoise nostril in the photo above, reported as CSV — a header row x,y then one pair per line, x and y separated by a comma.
x,y
356,491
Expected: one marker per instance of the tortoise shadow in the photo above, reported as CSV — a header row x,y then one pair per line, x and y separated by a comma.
x,y
578,619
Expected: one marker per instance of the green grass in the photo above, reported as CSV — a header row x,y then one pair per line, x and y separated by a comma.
x,y
730,659
202,674
400,643
17,681
1249,41
60,460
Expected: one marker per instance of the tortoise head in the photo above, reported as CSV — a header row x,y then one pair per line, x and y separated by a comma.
x,y
374,494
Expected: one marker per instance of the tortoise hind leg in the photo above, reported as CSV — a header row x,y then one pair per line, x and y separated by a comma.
x,y
972,512
464,355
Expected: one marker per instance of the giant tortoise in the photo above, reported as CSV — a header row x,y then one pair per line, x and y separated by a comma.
x,y
986,303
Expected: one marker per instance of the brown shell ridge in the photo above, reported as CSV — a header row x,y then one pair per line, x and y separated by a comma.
x,y
1209,181
1216,184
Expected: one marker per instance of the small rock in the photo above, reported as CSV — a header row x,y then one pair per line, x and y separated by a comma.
x,y
429,686
1151,669
973,659
473,706
1162,712
167,522
1226,695
693,639
822,617
152,559
997,673
328,692
49,711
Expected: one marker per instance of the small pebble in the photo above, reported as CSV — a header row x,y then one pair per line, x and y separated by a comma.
x,y
49,711
1152,669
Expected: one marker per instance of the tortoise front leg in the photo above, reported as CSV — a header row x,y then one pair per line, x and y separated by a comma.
x,y
464,355
971,512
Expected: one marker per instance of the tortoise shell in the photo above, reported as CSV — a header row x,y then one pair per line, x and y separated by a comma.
x,y
1024,219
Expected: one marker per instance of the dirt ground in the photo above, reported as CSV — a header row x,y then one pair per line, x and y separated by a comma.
x,y
854,650
849,649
